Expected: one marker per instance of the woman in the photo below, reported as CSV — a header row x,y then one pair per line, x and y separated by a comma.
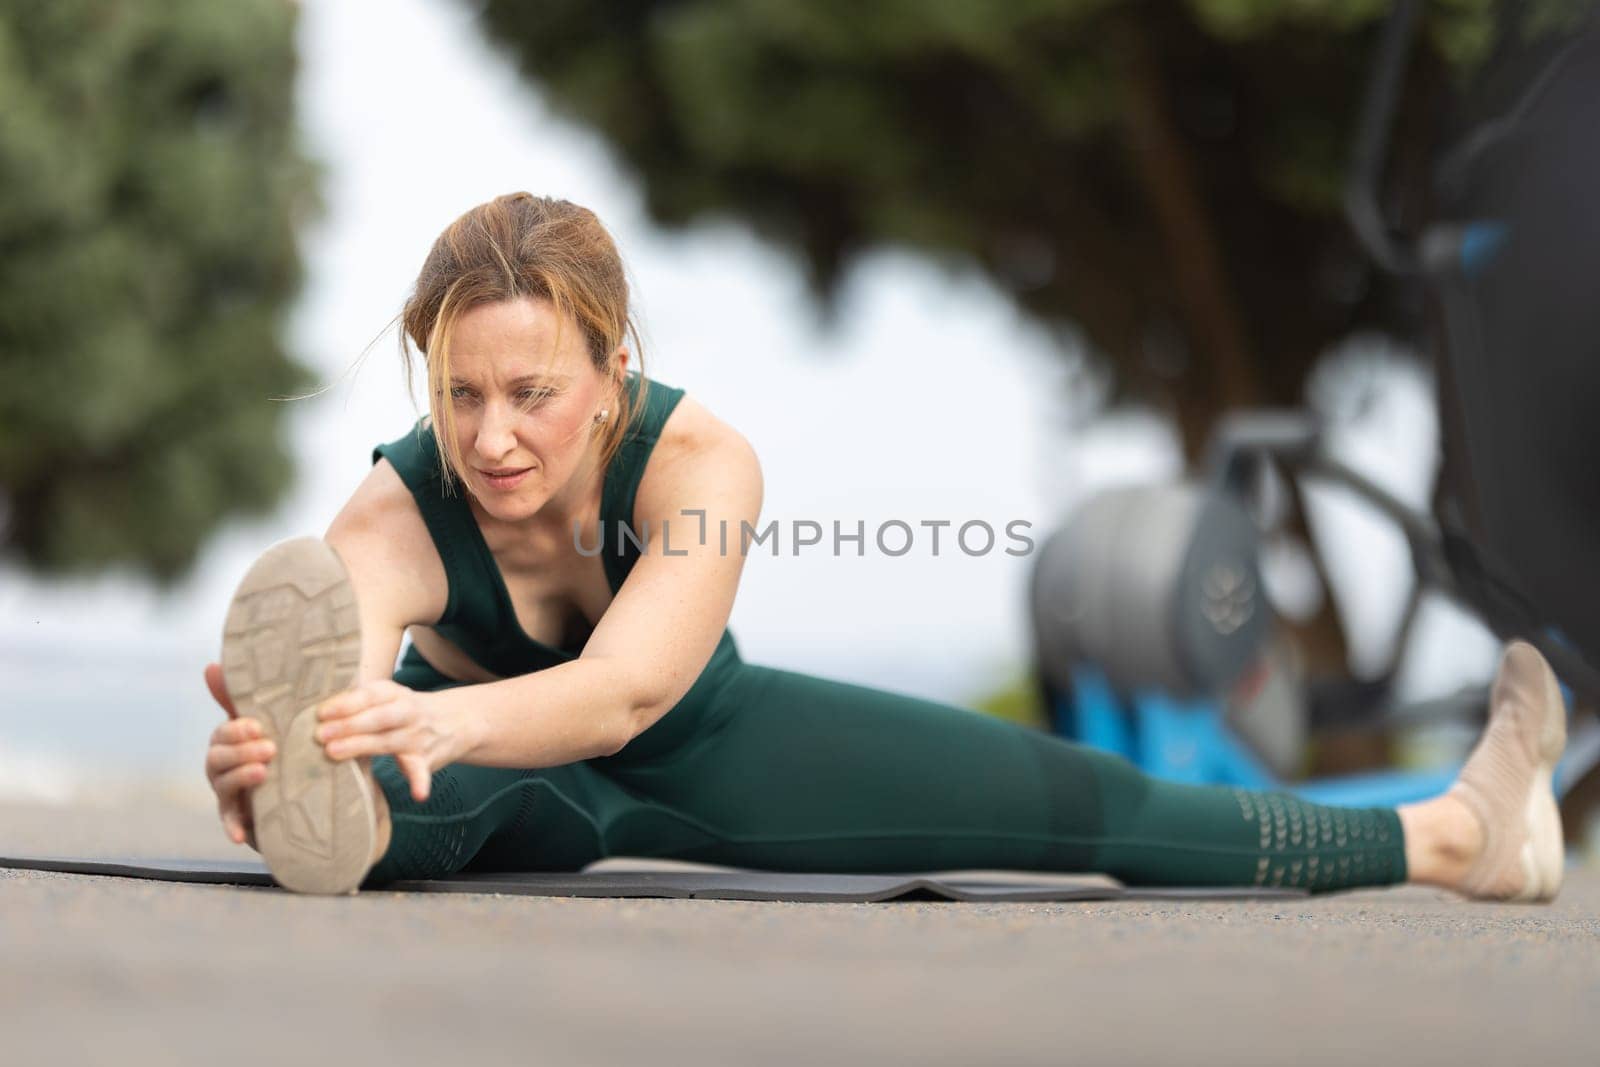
x,y
571,691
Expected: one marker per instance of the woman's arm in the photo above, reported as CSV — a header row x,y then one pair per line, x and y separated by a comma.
x,y
398,577
659,631
647,650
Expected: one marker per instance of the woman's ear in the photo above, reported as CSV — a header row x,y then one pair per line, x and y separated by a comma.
x,y
619,380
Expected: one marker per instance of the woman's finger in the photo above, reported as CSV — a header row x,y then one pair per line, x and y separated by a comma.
x,y
238,824
219,689
233,825
418,775
374,720
360,698
223,758
233,731
230,784
388,743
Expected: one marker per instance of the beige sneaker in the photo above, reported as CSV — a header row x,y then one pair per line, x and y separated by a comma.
x,y
1507,783
292,639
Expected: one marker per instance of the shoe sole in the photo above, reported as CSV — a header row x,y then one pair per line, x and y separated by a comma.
x,y
1544,852
293,639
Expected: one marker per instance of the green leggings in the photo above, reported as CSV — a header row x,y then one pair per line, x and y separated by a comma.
x,y
784,771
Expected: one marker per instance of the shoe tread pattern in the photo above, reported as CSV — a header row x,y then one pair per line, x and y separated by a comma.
x,y
292,639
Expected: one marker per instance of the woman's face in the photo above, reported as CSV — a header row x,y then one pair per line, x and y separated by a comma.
x,y
524,394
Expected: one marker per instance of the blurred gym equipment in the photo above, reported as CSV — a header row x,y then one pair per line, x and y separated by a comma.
x,y
1148,612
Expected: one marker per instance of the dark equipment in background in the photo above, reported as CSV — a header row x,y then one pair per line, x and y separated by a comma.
x,y
1511,271
1156,586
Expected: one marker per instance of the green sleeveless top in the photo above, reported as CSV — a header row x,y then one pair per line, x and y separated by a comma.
x,y
478,616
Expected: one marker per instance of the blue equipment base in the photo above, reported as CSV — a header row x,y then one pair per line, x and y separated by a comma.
x,y
1189,741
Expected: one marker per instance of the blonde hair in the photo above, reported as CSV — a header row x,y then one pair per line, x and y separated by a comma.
x,y
521,246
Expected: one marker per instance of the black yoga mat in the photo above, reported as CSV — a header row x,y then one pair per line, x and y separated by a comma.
x,y
683,882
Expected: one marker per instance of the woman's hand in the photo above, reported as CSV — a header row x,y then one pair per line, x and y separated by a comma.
x,y
382,717
236,762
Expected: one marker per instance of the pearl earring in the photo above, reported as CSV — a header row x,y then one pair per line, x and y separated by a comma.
x,y
600,416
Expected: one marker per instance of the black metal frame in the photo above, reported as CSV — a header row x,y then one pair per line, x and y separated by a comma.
x,y
1445,558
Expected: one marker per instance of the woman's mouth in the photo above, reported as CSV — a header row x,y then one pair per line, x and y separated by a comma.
x,y
505,477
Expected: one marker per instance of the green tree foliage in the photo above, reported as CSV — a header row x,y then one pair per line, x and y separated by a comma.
x,y
150,187
1164,177
1017,699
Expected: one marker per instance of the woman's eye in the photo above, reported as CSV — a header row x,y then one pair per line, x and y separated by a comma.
x,y
530,397
460,393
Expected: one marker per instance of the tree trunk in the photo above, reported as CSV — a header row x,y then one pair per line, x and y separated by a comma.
x,y
1212,323
1223,369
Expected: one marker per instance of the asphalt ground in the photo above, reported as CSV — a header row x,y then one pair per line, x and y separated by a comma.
x,y
113,971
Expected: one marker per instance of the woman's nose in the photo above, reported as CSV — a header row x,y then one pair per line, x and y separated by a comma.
x,y
495,437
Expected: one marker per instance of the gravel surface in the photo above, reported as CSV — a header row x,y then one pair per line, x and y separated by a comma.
x,y
96,970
